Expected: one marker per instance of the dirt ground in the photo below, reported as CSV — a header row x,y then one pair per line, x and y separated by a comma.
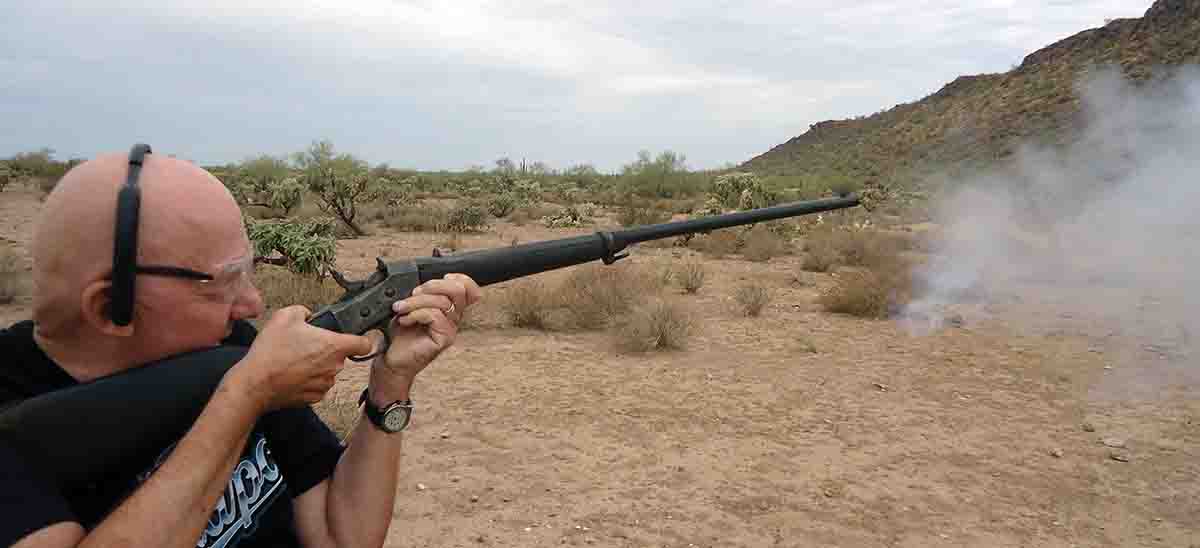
x,y
990,433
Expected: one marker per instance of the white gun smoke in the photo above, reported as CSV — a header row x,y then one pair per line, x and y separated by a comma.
x,y
1104,232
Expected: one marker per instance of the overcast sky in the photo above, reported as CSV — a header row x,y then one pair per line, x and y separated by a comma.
x,y
447,85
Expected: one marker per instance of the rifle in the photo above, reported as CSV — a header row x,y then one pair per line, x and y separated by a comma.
x,y
116,425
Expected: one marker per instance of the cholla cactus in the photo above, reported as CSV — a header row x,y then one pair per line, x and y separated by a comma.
x,y
741,191
569,217
395,193
304,247
285,195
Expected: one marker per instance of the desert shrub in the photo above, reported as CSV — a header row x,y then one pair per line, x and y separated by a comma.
x,y
11,275
659,324
752,298
595,295
691,276
761,243
424,218
633,214
281,288
716,244
527,213
863,248
821,252
876,292
527,304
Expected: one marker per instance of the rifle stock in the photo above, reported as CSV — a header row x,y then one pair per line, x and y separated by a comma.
x,y
117,424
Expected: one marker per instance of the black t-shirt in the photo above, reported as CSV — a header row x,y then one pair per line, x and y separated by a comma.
x,y
288,452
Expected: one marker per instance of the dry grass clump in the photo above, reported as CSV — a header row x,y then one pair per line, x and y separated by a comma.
x,y
423,218
12,276
281,288
527,304
874,292
658,324
820,254
594,295
691,276
752,298
716,244
866,248
637,215
761,244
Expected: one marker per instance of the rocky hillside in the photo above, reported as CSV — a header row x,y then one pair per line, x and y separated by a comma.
x,y
976,120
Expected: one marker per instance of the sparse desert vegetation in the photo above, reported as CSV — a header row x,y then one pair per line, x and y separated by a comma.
x,y
815,381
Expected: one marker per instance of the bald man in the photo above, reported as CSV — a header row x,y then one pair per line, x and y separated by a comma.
x,y
295,483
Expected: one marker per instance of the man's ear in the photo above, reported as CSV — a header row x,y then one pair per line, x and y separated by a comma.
x,y
97,309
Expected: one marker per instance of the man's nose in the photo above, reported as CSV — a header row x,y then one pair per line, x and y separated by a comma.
x,y
249,302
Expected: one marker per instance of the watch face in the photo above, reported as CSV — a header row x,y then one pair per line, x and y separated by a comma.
x,y
395,419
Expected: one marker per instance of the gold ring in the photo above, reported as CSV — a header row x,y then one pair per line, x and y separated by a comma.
x,y
451,309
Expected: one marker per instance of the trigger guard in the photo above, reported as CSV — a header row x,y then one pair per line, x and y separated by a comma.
x,y
387,343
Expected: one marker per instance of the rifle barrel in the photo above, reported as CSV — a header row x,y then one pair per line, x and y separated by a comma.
x,y
496,265
703,224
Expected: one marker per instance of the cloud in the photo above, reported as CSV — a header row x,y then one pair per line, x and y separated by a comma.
x,y
450,84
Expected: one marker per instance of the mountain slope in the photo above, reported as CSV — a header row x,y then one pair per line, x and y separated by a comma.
x,y
976,120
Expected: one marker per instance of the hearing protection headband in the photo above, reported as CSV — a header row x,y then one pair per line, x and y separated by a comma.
x,y
125,244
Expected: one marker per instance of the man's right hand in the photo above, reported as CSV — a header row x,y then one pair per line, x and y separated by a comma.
x,y
292,363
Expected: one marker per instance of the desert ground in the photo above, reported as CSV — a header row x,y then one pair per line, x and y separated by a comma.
x,y
1023,423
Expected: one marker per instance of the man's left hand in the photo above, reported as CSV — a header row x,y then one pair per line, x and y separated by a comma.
x,y
426,324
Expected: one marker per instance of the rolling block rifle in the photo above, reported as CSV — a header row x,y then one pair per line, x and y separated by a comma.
x,y
116,425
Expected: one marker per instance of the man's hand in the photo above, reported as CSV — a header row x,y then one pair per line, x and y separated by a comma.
x,y
292,363
426,324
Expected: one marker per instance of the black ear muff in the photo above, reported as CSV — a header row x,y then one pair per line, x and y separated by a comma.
x,y
125,239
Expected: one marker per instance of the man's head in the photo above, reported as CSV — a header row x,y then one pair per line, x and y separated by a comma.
x,y
187,220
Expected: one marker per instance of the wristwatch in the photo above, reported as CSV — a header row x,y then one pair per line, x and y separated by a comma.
x,y
391,418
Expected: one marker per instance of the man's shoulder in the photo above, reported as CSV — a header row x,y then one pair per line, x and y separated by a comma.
x,y
16,333
28,371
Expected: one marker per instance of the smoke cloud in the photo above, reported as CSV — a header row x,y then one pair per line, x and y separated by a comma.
x,y
1101,236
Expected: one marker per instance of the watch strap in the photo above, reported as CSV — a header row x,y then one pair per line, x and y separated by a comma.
x,y
375,413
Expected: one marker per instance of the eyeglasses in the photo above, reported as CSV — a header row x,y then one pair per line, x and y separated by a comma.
x,y
226,282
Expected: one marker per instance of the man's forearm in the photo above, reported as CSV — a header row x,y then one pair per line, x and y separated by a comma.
x,y
363,489
173,506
